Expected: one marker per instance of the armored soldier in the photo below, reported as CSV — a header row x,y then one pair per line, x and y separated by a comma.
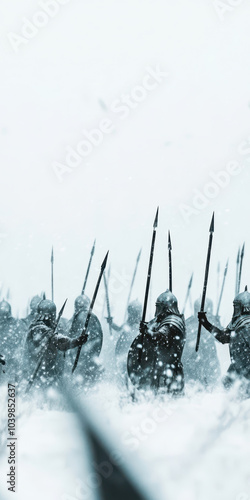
x,y
154,359
204,366
2,362
43,343
237,335
33,311
11,339
129,332
88,363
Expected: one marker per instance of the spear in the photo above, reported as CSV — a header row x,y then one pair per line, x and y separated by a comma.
x,y
144,312
52,274
88,268
90,310
132,283
32,378
222,289
188,293
108,304
170,261
107,279
211,231
241,263
237,272
218,280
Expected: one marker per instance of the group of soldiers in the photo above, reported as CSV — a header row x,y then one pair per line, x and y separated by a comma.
x,y
44,350
159,355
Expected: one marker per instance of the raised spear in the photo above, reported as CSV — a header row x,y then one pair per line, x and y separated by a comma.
x,y
222,289
107,279
218,280
90,310
203,300
237,272
144,312
170,262
188,293
52,274
88,268
241,264
32,378
132,283
109,318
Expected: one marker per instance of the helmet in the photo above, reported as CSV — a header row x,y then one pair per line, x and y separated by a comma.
x,y
242,303
5,310
34,303
134,312
208,306
167,303
82,303
47,310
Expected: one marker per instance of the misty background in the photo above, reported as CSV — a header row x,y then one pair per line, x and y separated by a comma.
x,y
64,80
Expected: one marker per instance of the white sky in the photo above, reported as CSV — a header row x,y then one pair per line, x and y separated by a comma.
x,y
193,123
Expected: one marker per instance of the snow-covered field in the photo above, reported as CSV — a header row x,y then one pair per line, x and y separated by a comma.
x,y
192,448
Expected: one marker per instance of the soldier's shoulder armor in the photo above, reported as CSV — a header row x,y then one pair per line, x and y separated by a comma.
x,y
174,320
241,322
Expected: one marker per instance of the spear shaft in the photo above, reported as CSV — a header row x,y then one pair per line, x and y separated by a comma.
x,y
218,281
237,272
144,312
241,264
52,274
170,262
188,293
203,300
90,310
107,303
222,289
132,283
88,268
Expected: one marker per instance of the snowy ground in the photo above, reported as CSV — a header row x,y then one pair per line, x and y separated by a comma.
x,y
193,448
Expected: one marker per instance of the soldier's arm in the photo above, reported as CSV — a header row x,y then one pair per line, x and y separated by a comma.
x,y
64,343
113,325
223,336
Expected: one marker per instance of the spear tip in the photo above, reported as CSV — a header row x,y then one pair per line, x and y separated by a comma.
x,y
105,261
226,268
238,256
191,280
169,241
211,229
139,255
93,248
52,255
243,250
156,218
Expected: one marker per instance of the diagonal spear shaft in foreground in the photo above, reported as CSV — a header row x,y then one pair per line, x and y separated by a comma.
x,y
203,300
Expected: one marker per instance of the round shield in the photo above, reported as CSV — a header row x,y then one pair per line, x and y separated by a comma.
x,y
147,360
